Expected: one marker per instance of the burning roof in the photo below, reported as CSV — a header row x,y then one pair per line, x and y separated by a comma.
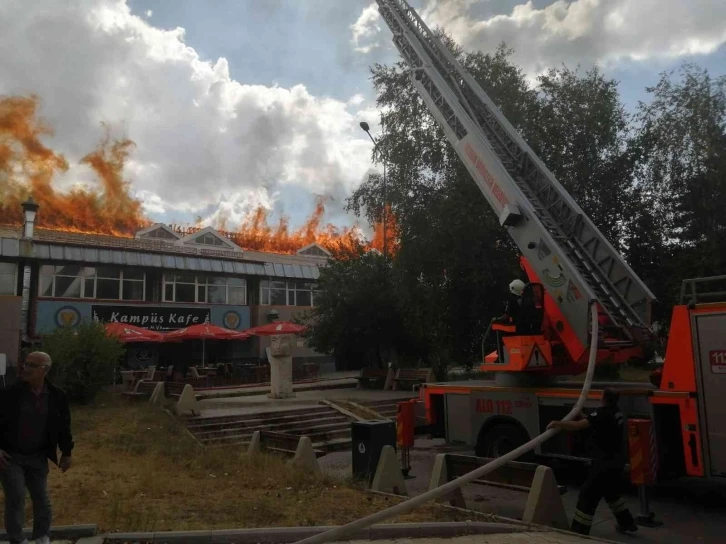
x,y
28,167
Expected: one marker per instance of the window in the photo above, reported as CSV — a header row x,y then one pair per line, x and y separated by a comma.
x,y
210,239
161,234
205,289
291,293
103,282
8,278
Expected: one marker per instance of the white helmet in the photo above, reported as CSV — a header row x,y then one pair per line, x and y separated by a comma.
x,y
516,287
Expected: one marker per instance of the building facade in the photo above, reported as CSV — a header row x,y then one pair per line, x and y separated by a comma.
x,y
159,280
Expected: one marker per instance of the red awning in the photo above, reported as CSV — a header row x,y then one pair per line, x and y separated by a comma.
x,y
132,333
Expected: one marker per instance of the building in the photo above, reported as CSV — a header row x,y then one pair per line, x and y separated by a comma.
x,y
159,280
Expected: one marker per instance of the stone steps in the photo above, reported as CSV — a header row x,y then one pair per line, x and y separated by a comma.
x,y
328,429
284,426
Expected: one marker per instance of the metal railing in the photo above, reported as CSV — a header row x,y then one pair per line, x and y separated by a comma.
x,y
690,293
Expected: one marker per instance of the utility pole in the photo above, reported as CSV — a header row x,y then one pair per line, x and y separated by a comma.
x,y
384,213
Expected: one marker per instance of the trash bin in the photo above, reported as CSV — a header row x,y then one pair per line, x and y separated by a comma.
x,y
368,439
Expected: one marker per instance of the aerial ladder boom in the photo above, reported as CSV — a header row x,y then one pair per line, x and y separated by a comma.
x,y
573,260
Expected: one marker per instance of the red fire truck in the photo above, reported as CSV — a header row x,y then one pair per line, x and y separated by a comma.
x,y
681,415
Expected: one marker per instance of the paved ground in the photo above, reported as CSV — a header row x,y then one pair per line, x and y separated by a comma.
x,y
335,379
690,513
303,398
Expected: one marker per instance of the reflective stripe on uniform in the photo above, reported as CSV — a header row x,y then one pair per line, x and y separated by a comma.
x,y
618,505
583,518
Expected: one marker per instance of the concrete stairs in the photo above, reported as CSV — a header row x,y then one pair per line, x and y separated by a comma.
x,y
386,408
328,429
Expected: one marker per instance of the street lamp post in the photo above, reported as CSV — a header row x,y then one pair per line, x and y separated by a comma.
x,y
367,130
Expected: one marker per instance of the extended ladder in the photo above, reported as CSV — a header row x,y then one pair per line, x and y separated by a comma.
x,y
575,261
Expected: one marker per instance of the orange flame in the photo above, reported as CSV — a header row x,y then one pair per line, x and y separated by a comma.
x,y
27,168
256,233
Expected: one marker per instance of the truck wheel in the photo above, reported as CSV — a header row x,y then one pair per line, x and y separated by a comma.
x,y
500,440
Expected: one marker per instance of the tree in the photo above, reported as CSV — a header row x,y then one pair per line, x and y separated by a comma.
x,y
581,132
682,177
356,315
84,359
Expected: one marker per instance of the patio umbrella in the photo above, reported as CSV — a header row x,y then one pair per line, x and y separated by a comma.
x,y
131,333
203,332
240,335
277,327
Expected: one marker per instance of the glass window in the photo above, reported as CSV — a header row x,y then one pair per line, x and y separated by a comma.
x,y
107,289
278,297
133,274
218,295
68,270
89,288
67,287
7,278
201,289
46,286
289,293
133,290
169,292
238,295
185,292
304,298
108,272
103,282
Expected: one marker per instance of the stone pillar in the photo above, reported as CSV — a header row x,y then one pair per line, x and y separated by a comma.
x,y
280,358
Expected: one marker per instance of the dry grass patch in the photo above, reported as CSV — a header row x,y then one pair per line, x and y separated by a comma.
x,y
137,469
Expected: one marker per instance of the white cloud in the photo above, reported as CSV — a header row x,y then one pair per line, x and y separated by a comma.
x,y
366,29
204,141
149,12
578,31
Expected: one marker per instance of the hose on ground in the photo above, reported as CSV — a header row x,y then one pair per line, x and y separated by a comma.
x,y
339,533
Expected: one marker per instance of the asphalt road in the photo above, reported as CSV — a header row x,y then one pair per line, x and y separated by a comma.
x,y
690,511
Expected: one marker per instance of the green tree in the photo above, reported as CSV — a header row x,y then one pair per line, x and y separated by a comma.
x,y
454,260
682,178
84,359
356,315
581,131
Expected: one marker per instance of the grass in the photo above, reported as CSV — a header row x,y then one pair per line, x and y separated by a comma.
x,y
137,469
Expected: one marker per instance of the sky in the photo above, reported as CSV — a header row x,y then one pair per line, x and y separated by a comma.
x,y
234,104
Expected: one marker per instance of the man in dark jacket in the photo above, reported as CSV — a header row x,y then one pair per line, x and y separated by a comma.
x,y
35,422
608,464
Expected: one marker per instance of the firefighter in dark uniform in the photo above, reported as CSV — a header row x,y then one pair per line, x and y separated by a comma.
x,y
511,314
608,464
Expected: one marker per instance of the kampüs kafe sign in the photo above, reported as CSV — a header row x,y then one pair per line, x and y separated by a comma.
x,y
53,314
151,317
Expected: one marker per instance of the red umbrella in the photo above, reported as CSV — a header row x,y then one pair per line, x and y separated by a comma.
x,y
277,327
203,332
241,335
131,333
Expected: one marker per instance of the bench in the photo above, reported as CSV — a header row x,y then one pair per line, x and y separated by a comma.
x,y
282,443
143,389
173,390
372,377
544,502
412,376
514,475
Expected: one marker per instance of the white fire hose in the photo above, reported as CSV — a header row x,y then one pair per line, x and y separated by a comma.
x,y
339,532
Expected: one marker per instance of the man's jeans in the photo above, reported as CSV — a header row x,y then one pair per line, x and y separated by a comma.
x,y
26,472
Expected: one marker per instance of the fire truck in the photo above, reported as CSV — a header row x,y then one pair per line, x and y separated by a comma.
x,y
571,266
